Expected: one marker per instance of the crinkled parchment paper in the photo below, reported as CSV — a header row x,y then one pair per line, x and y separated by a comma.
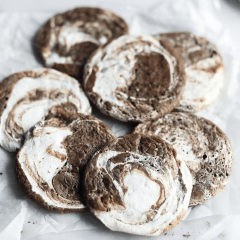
x,y
217,219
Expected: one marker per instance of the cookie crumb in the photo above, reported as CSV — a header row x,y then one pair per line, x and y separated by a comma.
x,y
21,231
187,236
29,222
223,236
209,224
1,173
165,233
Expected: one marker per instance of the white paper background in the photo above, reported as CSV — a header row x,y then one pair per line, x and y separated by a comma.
x,y
217,219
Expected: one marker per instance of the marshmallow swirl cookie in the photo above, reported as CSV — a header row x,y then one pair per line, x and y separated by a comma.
x,y
51,161
135,78
203,146
204,69
66,40
25,97
138,185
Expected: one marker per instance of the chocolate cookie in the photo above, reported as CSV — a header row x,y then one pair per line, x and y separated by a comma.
x,y
54,154
203,146
135,78
67,39
25,97
138,185
204,69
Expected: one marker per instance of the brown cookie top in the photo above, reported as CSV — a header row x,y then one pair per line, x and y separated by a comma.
x,y
67,39
204,69
203,146
50,164
137,184
25,97
135,78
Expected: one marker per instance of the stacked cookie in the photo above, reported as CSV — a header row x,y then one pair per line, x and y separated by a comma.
x,y
141,183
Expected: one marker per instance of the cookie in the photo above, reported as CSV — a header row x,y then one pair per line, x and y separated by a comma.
x,y
203,146
138,185
204,69
135,78
67,39
55,152
25,97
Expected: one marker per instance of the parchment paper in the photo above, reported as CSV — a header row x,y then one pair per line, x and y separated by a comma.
x,y
217,219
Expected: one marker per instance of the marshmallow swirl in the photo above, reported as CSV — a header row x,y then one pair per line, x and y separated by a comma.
x,y
203,146
25,98
203,66
55,151
134,78
138,185
67,39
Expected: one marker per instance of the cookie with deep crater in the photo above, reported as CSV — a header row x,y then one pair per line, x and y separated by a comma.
x,y
67,39
204,69
135,78
25,97
138,185
55,152
203,146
